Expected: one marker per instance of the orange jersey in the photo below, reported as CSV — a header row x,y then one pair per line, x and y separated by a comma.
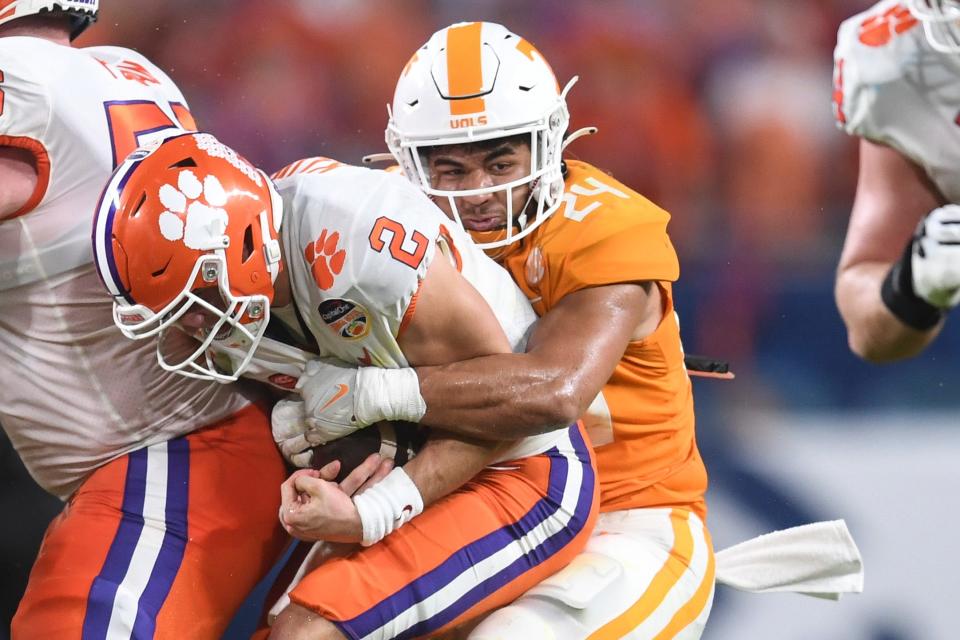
x,y
642,422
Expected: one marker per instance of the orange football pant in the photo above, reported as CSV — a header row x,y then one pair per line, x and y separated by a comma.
x,y
477,549
164,542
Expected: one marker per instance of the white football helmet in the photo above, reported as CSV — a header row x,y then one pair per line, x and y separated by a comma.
x,y
475,81
941,22
83,12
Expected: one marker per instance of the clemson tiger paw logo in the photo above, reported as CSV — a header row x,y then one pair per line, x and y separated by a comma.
x,y
325,260
878,30
193,210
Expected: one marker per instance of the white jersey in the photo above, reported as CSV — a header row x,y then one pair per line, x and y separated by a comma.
x,y
357,243
75,393
892,88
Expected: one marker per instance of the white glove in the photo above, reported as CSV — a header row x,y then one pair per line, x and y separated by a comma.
x,y
327,387
339,398
935,258
293,436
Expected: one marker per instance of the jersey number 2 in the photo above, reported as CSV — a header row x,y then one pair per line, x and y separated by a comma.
x,y
130,119
398,236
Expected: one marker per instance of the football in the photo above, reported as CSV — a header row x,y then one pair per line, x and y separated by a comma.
x,y
399,441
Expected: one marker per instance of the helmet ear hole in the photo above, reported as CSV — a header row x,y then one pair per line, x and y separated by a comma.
x,y
247,244
136,209
183,164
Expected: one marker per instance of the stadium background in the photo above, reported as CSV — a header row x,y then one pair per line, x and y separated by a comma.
x,y
719,111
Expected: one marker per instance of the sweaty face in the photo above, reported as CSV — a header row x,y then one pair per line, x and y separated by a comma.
x,y
481,166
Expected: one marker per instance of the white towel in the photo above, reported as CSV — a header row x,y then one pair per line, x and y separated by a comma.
x,y
818,559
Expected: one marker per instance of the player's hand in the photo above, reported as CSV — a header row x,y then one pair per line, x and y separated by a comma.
x,y
313,508
328,387
340,398
293,435
935,257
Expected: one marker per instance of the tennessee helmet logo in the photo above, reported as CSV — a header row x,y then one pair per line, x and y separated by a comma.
x,y
193,211
468,121
325,260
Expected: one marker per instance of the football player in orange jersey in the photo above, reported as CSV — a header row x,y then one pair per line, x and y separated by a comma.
x,y
895,88
478,122
169,483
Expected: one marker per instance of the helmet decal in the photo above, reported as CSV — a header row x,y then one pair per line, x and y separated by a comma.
x,y
216,149
200,225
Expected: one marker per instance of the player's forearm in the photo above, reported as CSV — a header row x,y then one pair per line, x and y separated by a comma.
x,y
507,396
445,463
873,332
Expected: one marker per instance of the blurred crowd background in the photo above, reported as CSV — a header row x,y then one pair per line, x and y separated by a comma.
x,y
719,111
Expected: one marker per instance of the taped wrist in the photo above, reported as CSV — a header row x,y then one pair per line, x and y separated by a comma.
x,y
899,297
388,394
387,506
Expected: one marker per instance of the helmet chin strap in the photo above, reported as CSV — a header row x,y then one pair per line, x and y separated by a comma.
x,y
522,218
271,248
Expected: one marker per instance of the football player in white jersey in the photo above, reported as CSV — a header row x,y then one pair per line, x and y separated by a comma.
x,y
897,88
360,266
170,514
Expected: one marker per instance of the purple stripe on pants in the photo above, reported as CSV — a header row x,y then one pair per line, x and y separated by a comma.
x,y
104,588
465,558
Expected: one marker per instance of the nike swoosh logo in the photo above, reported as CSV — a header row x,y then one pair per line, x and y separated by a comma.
x,y
342,390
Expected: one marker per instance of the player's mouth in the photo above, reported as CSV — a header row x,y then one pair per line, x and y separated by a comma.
x,y
484,222
224,332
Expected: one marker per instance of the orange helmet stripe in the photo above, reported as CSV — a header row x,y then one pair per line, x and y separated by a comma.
x,y
464,68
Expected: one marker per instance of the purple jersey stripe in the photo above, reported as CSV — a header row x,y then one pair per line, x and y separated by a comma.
x,y
461,561
104,588
174,539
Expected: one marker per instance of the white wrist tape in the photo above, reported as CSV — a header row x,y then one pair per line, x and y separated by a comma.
x,y
388,505
388,394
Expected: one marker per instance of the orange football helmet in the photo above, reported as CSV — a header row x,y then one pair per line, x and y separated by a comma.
x,y
179,220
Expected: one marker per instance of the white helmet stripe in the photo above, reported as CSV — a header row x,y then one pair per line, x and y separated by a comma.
x,y
103,255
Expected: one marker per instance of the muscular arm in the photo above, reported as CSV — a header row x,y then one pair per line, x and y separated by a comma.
x,y
893,195
18,179
451,322
571,354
